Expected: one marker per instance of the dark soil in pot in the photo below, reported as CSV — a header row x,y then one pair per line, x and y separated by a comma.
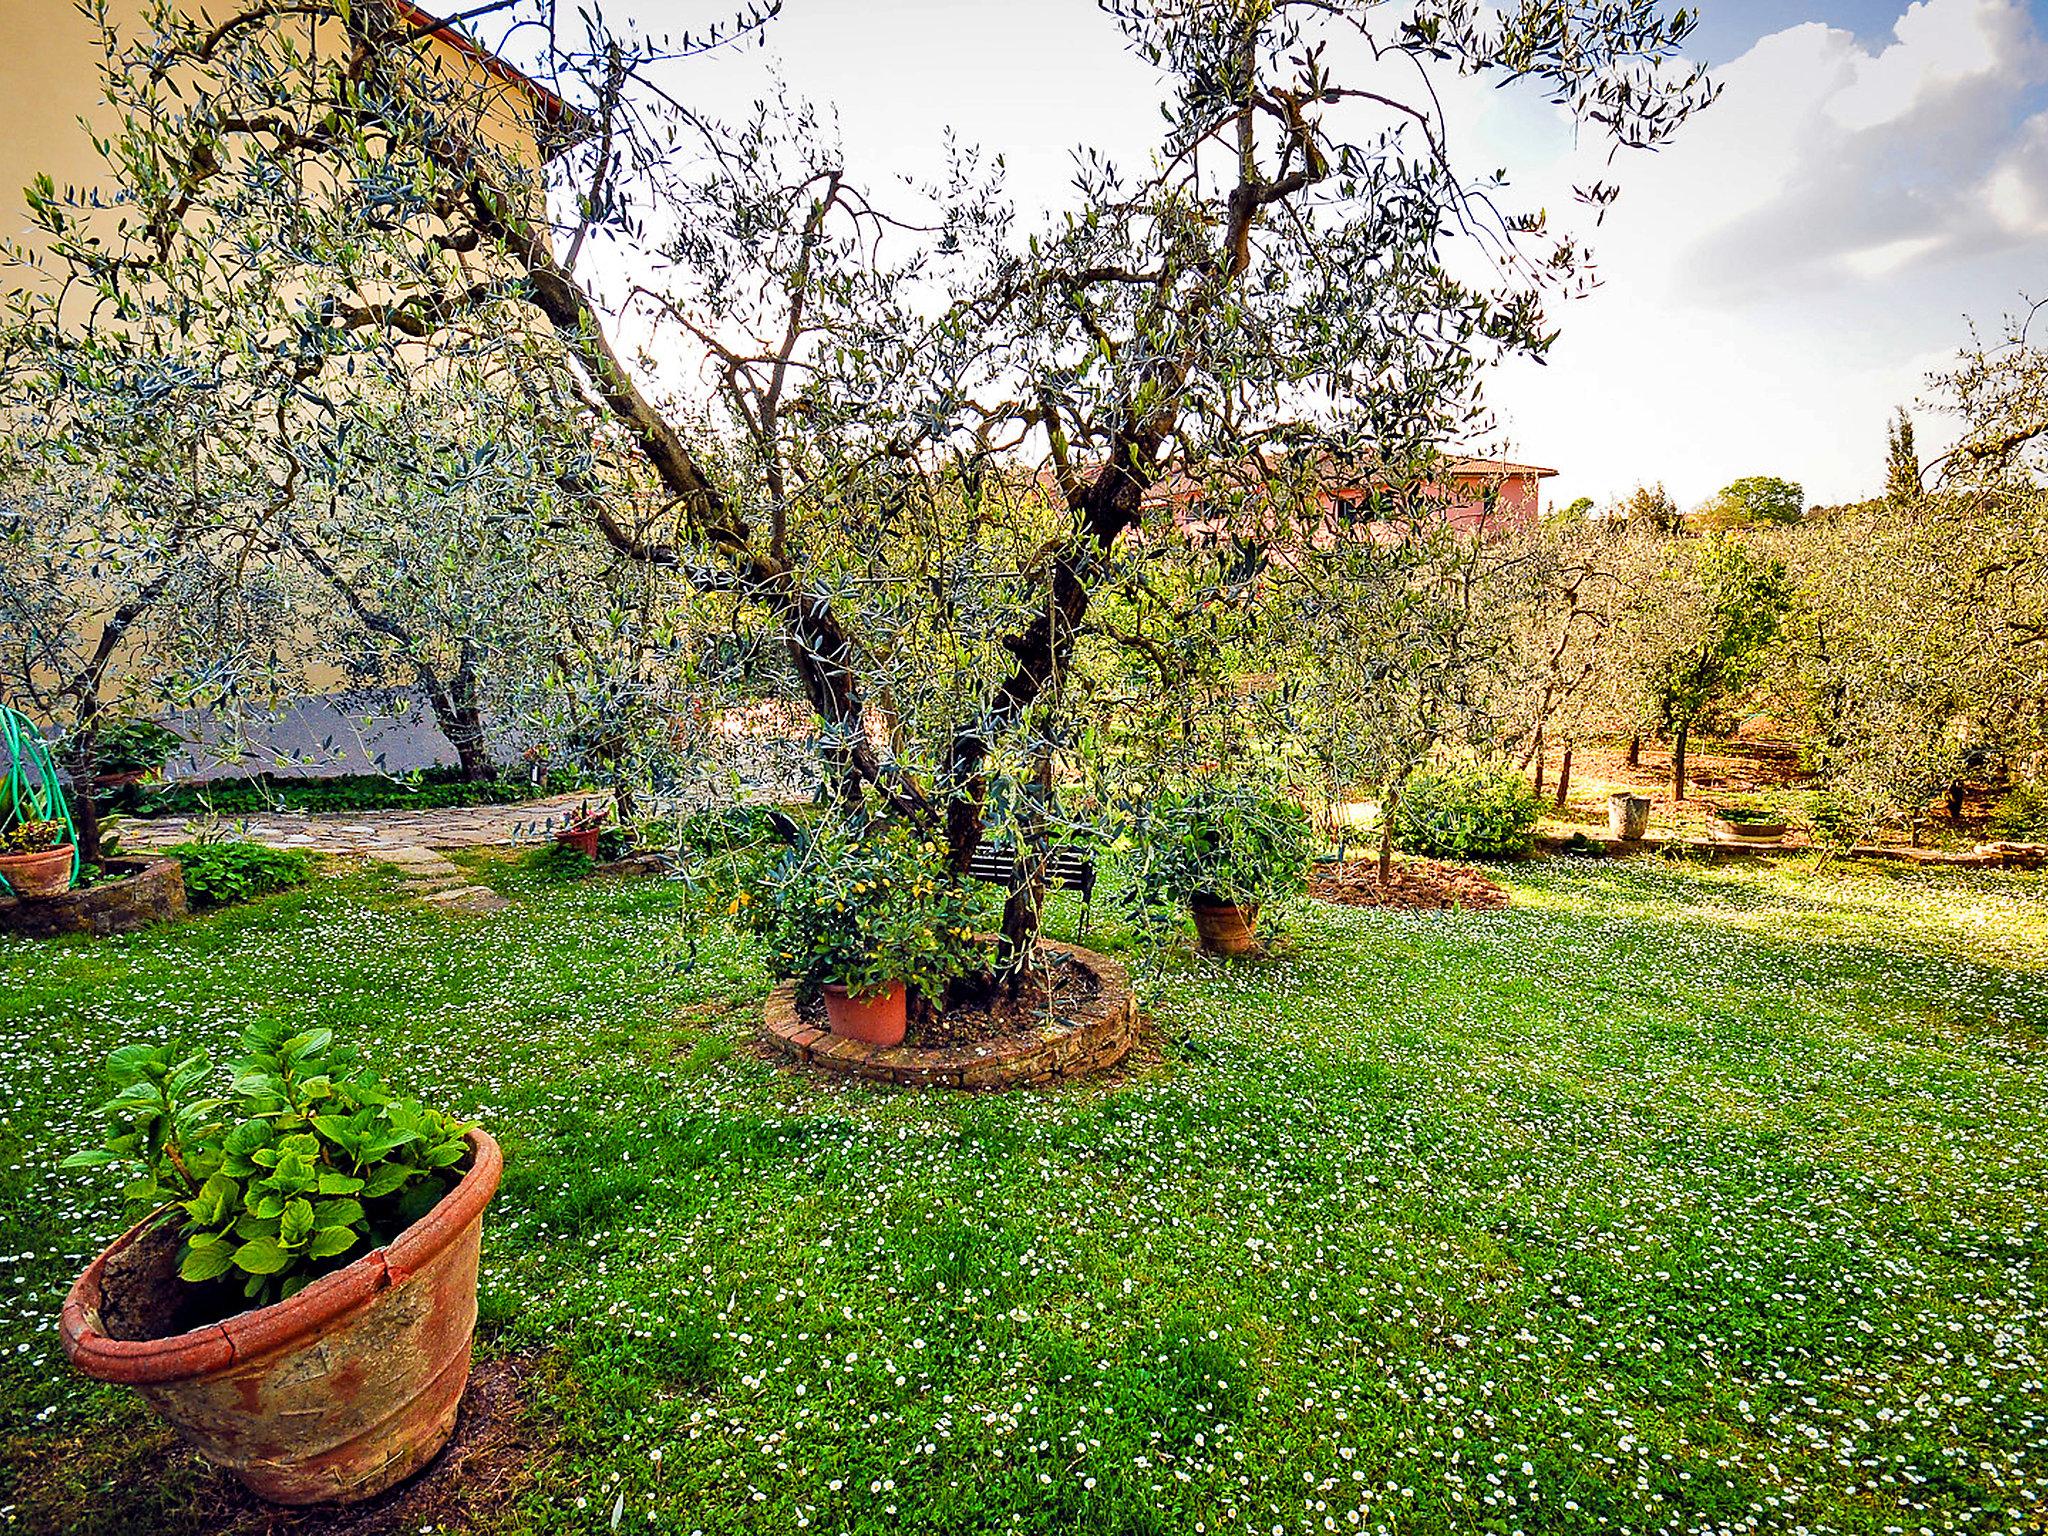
x,y
142,1298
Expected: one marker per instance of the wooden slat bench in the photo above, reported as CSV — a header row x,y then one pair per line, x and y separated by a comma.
x,y
1067,868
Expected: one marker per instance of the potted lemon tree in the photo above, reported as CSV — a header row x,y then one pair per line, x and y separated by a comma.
x,y
863,914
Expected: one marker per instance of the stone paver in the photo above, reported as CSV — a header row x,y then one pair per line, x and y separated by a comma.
x,y
433,879
375,833
467,898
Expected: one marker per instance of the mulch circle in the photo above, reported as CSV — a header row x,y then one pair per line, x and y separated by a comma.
x,y
488,1463
1415,885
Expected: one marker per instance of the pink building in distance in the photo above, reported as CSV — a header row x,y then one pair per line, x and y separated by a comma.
x,y
1481,495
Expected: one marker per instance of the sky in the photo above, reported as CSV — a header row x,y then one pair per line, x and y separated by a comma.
x,y
1772,284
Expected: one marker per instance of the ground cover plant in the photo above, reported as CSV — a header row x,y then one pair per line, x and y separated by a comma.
x,y
1668,1199
221,872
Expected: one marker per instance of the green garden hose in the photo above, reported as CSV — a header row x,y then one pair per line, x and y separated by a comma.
x,y
30,791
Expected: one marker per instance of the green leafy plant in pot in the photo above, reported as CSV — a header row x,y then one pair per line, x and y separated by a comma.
x,y
126,750
865,913
1747,820
1225,852
303,1226
37,858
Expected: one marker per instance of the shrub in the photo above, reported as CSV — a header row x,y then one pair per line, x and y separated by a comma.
x,y
219,873
1838,820
294,1161
1222,845
862,905
2022,816
133,746
1466,811
35,837
724,828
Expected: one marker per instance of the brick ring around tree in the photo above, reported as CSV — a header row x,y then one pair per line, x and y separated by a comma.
x,y
1095,1037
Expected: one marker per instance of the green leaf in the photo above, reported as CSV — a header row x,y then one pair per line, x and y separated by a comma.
x,y
217,1199
328,1241
296,1225
207,1260
262,1256
92,1157
339,1129
247,1137
335,1183
387,1178
259,1085
338,1213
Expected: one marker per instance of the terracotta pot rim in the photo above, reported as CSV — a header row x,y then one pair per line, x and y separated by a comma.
x,y
247,1335
838,989
67,850
1197,904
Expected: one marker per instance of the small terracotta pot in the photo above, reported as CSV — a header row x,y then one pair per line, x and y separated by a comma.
x,y
878,1020
38,874
1226,929
331,1395
582,839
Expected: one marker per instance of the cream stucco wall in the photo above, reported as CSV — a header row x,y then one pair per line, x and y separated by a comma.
x,y
50,77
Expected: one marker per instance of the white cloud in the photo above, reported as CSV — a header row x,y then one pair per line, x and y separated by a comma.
x,y
1788,270
1775,281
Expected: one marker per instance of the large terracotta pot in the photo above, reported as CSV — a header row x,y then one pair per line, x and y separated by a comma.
x,y
38,874
1747,831
331,1395
1226,929
878,1020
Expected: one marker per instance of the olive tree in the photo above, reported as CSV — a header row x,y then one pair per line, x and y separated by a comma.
x,y
1695,633
127,533
819,392
1921,634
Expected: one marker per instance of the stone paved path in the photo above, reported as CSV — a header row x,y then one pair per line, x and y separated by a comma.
x,y
374,833
436,881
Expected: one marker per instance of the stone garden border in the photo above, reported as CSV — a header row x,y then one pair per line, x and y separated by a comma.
x,y
1096,1039
150,891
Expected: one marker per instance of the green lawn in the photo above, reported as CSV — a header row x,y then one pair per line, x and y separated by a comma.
x,y
1669,1200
